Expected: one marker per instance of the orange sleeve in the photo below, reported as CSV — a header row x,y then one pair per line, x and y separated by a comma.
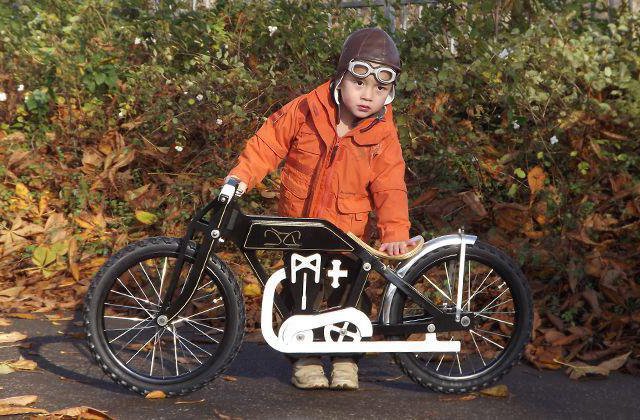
x,y
266,149
390,192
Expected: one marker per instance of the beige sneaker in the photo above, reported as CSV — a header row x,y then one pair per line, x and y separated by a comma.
x,y
344,374
309,374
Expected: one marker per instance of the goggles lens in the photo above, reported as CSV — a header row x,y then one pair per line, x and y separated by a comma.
x,y
362,69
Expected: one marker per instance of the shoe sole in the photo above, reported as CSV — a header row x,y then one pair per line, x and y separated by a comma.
x,y
313,386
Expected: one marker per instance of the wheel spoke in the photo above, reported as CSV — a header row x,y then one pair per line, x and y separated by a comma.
x,y
149,280
202,332
478,291
486,339
437,288
448,280
138,284
495,319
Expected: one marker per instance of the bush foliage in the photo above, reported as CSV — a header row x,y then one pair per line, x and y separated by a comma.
x,y
118,120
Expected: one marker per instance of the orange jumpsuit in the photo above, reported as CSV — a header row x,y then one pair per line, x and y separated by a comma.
x,y
340,179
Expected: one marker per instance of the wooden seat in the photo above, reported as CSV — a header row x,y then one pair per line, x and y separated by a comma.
x,y
418,239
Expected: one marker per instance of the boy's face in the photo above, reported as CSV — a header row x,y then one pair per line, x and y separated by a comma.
x,y
363,97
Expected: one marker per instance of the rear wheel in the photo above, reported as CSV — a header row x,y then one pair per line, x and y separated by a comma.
x,y
495,290
120,311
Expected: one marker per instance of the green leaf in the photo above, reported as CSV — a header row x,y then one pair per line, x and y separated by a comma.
x,y
520,173
43,256
146,217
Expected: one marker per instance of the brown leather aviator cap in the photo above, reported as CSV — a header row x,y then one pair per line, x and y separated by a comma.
x,y
371,44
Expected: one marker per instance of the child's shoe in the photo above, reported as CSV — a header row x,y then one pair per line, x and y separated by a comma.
x,y
308,373
344,374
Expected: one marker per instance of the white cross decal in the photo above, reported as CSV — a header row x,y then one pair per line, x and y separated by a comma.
x,y
336,274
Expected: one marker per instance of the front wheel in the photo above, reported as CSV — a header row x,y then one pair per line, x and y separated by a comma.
x,y
495,290
120,310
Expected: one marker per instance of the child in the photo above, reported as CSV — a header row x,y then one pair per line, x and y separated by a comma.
x,y
342,159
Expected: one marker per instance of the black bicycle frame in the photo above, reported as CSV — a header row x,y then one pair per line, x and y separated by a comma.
x,y
252,233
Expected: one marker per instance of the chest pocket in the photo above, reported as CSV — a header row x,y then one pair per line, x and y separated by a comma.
x,y
305,152
355,168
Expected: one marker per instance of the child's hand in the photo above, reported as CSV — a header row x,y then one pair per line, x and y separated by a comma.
x,y
242,187
397,248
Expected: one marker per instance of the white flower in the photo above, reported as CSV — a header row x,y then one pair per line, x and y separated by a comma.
x,y
185,92
153,40
3,96
199,97
179,148
516,125
20,88
553,140
504,53
452,46
219,121
122,113
272,30
137,41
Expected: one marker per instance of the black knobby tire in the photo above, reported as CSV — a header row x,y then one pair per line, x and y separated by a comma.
x,y
206,336
425,368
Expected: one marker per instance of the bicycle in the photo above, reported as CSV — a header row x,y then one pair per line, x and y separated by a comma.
x,y
167,314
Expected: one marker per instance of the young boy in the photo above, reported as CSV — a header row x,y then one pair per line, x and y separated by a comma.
x,y
342,159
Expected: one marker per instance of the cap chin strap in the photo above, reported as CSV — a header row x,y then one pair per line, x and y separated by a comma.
x,y
336,92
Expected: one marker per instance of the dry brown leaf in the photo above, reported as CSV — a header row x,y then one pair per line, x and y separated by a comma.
x,y
268,194
58,317
22,316
21,400
11,337
5,369
4,322
229,378
496,391
465,397
579,369
12,291
155,395
83,412
472,200
8,410
190,402
536,178
425,198
23,364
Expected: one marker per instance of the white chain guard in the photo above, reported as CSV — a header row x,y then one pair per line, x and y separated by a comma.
x,y
293,330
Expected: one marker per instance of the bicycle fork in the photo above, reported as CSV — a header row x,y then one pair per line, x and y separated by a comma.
x,y
212,235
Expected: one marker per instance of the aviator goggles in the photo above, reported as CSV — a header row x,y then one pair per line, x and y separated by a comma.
x,y
362,69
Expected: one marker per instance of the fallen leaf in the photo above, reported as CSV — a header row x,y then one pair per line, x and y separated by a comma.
x,y
190,402
5,369
11,337
229,378
23,364
268,194
12,291
146,217
8,410
21,400
22,316
82,412
4,322
535,178
580,369
465,397
155,395
252,290
58,317
496,391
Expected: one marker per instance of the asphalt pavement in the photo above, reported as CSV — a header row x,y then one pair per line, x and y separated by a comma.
x,y
256,386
